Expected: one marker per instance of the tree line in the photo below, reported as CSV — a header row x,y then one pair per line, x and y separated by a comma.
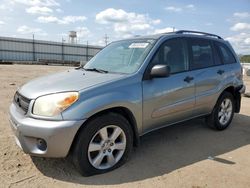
x,y
245,59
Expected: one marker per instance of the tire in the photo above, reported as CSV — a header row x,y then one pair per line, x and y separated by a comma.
x,y
92,154
220,118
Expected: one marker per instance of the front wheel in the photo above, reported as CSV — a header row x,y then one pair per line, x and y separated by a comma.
x,y
103,144
223,112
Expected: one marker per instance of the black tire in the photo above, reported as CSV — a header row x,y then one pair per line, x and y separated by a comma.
x,y
213,119
80,150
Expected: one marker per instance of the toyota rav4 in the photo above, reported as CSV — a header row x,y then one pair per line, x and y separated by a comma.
x,y
97,112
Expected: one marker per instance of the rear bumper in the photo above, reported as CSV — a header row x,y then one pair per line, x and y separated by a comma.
x,y
239,91
242,89
58,135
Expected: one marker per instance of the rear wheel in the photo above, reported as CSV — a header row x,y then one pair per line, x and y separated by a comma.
x,y
223,112
104,144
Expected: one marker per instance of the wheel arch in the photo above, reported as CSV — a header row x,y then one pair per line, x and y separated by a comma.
x,y
237,96
125,112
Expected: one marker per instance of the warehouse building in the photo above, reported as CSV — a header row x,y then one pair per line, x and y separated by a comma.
x,y
28,50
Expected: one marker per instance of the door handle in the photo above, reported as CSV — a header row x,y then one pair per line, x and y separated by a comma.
x,y
220,72
188,79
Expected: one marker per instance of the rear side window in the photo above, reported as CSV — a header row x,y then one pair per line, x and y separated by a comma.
x,y
201,55
217,59
226,54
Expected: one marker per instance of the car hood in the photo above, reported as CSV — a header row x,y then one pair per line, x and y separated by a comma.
x,y
72,80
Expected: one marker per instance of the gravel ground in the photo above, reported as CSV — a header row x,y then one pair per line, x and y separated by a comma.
x,y
184,155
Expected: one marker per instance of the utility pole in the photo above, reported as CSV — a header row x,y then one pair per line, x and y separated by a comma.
x,y
106,39
173,29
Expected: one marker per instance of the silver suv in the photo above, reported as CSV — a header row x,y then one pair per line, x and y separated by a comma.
x,y
97,112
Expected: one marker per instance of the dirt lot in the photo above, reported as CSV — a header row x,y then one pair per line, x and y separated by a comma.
x,y
185,155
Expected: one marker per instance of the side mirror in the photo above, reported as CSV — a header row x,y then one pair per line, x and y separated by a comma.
x,y
159,71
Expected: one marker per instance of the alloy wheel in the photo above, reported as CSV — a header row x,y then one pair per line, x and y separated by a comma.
x,y
225,111
107,147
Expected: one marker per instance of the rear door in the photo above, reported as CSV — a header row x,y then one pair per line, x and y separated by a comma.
x,y
208,73
171,99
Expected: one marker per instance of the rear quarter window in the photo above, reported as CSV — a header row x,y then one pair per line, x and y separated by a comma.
x,y
226,55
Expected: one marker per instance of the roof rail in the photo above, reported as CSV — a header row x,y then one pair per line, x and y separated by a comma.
x,y
198,32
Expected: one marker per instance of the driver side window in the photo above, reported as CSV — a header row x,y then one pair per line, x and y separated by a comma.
x,y
171,53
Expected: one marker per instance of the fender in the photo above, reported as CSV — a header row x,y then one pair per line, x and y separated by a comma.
x,y
96,100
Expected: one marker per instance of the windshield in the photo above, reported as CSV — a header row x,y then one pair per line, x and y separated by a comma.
x,y
121,57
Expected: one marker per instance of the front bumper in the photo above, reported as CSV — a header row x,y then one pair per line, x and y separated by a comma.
x,y
58,135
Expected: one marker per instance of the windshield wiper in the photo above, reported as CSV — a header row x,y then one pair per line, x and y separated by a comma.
x,y
96,70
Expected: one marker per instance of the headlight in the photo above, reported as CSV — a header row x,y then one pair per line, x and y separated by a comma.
x,y
52,105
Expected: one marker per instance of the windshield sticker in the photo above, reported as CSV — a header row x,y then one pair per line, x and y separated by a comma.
x,y
139,45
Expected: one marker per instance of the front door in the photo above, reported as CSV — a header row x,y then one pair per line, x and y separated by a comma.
x,y
170,99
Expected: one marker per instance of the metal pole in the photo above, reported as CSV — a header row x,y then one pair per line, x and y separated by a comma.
x,y
34,50
87,52
62,50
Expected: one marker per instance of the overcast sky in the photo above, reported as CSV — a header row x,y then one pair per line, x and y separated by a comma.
x,y
92,19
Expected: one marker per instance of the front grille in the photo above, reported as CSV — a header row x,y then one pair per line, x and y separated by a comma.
x,y
22,102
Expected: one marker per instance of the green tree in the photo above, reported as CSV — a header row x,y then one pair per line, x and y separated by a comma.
x,y
245,59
